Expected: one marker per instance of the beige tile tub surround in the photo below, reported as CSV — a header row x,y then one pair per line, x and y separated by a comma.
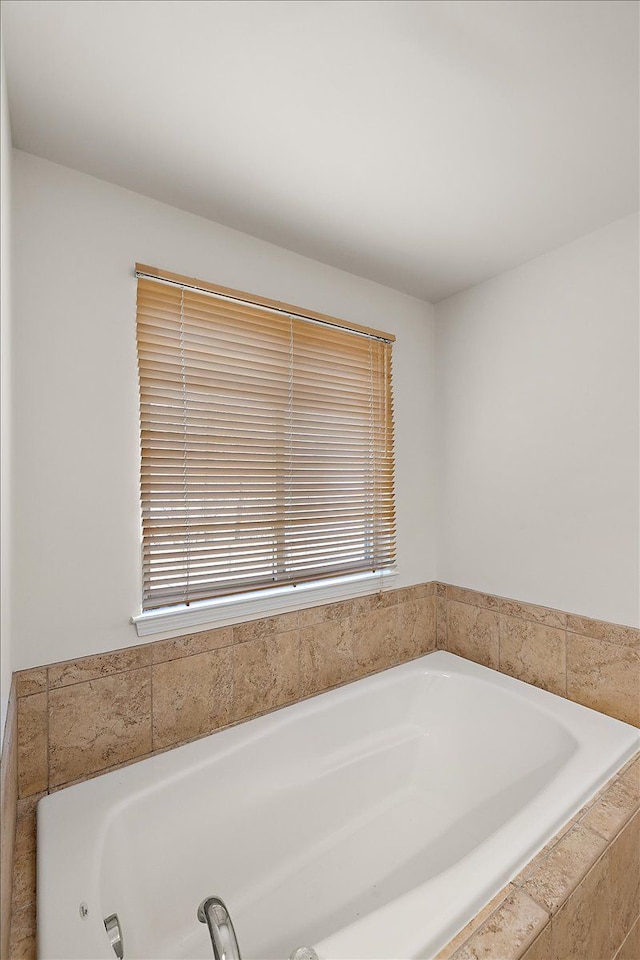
x,y
22,945
533,652
83,717
8,813
594,663
560,907
473,632
97,723
579,899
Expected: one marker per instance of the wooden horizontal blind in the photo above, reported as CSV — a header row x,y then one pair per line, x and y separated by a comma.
x,y
267,447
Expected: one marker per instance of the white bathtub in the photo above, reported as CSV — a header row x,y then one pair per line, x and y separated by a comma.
x,y
372,821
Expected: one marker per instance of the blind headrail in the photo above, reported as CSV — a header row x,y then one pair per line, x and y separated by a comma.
x,y
239,296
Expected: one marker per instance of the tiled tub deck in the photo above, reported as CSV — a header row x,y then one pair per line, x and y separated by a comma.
x,y
80,718
579,899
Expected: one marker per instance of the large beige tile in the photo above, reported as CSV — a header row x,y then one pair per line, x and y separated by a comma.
x,y
604,676
326,656
441,623
33,773
580,930
474,597
474,633
26,827
540,949
22,944
100,665
508,932
624,879
192,696
109,769
24,867
416,627
531,611
27,806
8,816
340,610
265,674
565,866
630,949
375,639
286,622
266,627
616,805
191,643
31,681
534,653
255,629
419,591
474,924
95,724
374,601
601,630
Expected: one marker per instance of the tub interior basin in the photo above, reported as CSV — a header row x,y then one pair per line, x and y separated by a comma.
x,y
326,816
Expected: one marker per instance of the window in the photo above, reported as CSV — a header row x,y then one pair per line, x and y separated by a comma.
x,y
267,443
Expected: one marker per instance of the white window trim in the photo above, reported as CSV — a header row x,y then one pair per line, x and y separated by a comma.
x,y
223,611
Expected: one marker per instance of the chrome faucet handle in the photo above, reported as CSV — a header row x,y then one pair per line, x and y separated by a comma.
x,y
114,932
214,913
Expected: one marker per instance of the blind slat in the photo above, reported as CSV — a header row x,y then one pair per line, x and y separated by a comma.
x,y
267,447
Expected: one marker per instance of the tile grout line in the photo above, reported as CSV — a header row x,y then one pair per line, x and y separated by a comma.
x,y
633,926
151,719
547,926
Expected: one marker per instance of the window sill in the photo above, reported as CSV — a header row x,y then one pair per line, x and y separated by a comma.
x,y
264,603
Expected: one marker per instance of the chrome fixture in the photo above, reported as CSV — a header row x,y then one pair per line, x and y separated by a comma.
x,y
112,926
214,913
304,953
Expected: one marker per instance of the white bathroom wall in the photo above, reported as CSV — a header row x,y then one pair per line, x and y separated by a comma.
x,y
538,426
76,513
537,405
5,395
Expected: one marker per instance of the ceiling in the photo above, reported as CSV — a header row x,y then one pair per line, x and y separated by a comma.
x,y
427,145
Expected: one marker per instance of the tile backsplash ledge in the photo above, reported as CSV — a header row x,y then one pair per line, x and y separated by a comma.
x,y
589,661
580,895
